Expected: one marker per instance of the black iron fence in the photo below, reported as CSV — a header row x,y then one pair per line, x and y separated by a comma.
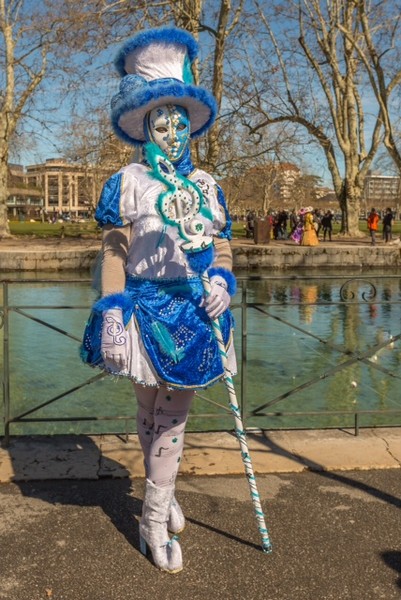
x,y
315,351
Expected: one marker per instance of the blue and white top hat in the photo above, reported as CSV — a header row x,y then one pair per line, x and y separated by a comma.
x,y
155,66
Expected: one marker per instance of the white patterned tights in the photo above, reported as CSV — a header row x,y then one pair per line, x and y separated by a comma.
x,y
161,419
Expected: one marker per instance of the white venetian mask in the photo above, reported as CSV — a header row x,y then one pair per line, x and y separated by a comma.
x,y
168,126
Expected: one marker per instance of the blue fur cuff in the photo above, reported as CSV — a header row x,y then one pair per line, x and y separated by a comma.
x,y
228,277
200,261
121,300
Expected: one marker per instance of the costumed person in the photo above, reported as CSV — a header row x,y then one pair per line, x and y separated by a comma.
x,y
373,225
309,236
298,229
164,222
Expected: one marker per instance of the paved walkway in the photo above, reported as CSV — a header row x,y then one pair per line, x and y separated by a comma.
x,y
336,536
332,503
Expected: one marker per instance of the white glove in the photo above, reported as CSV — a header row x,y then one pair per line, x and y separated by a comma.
x,y
219,299
114,347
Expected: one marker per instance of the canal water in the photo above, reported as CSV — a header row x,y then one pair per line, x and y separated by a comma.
x,y
312,350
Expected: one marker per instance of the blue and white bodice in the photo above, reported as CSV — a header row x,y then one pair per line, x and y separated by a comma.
x,y
130,197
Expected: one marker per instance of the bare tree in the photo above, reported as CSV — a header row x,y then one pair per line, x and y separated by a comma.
x,y
28,54
317,82
93,147
217,21
379,50
213,24
228,19
47,54
40,70
187,14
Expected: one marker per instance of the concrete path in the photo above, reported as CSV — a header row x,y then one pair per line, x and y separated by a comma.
x,y
332,502
336,536
96,457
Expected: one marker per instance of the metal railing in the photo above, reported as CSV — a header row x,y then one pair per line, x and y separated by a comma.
x,y
353,291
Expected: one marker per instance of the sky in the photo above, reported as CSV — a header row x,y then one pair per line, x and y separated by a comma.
x,y
101,85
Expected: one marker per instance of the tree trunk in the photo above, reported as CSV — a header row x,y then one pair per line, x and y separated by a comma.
x,y
350,199
4,227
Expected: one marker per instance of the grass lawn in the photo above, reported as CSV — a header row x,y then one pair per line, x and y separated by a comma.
x,y
48,230
91,230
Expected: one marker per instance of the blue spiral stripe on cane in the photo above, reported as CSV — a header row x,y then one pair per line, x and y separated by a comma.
x,y
254,495
234,408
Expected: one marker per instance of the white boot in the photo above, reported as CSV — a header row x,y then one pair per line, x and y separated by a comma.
x,y
176,519
166,553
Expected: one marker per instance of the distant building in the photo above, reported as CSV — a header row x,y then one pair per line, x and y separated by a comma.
x,y
24,200
285,177
380,192
54,189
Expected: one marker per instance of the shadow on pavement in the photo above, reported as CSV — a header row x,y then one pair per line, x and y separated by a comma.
x,y
392,558
333,476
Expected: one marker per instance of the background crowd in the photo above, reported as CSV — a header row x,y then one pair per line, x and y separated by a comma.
x,y
309,225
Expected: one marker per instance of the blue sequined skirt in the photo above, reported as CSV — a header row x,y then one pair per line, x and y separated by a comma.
x,y
171,337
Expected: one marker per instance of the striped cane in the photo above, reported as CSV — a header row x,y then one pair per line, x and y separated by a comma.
x,y
239,428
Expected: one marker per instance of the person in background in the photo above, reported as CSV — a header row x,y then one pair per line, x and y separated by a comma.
x,y
250,224
309,237
153,323
317,220
327,225
282,219
298,231
387,225
373,225
293,221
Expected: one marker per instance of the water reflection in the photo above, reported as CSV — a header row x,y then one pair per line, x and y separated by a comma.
x,y
316,356
307,350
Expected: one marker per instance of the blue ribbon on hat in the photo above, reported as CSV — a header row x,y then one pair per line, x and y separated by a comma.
x,y
133,83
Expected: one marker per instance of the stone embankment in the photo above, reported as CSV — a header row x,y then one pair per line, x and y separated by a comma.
x,y
19,254
341,253
68,254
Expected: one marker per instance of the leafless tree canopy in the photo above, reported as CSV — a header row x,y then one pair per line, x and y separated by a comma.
x,y
287,76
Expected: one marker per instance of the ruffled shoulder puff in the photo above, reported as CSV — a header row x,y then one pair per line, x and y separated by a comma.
x,y
115,202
